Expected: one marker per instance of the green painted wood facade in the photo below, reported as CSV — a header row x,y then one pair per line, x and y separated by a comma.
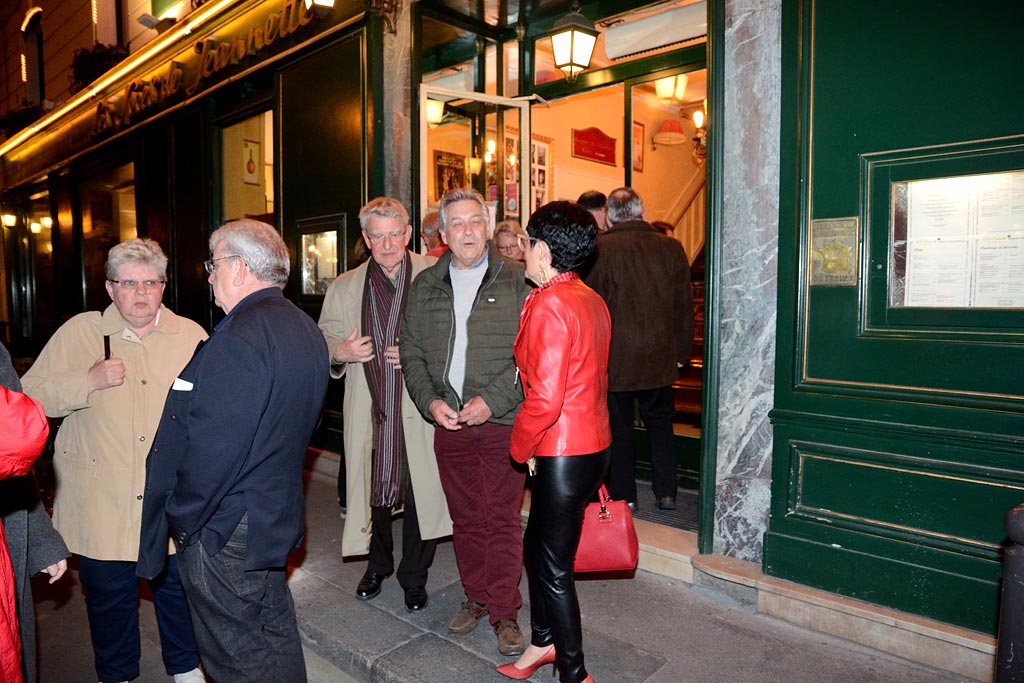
x,y
899,432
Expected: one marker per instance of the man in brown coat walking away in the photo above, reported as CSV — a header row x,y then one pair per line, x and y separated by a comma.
x,y
644,277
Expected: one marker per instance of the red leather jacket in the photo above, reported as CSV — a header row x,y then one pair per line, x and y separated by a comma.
x,y
562,355
23,431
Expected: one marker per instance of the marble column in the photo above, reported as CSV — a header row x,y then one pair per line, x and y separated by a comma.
x,y
398,106
747,281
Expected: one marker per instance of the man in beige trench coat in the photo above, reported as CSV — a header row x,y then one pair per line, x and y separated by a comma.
x,y
389,447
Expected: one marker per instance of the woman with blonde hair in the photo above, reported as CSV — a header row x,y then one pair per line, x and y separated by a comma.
x,y
506,239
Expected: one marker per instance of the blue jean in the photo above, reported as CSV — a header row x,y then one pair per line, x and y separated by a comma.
x,y
244,620
112,603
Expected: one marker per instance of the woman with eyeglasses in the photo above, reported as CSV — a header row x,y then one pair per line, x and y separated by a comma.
x,y
107,374
562,429
506,239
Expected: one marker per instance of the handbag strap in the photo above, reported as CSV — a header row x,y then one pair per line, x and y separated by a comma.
x,y
602,494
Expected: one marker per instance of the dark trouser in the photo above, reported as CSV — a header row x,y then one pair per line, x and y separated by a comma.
x,y
244,620
484,493
417,554
656,410
561,489
112,603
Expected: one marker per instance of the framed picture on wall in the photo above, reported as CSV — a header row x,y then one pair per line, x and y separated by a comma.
x,y
449,173
251,162
540,156
638,147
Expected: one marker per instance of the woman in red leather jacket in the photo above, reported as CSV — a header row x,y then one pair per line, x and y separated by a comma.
x,y
562,427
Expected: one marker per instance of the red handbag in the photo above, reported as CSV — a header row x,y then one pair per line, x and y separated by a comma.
x,y
608,541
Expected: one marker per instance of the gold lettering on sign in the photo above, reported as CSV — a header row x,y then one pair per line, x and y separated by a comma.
x,y
214,56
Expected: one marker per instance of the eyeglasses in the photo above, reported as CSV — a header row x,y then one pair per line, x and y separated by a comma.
x,y
526,241
509,249
211,265
377,237
134,284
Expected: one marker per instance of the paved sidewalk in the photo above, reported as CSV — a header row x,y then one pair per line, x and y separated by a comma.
x,y
645,629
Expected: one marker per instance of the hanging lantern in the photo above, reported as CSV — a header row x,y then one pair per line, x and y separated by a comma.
x,y
572,40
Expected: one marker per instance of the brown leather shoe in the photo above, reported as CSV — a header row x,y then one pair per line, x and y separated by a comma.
x,y
510,638
465,619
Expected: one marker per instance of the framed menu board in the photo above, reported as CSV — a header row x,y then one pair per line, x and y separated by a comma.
x,y
943,241
958,242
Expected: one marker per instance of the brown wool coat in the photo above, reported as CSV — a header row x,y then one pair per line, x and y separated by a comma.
x,y
644,277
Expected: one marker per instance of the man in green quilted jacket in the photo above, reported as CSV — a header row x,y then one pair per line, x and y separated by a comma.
x,y
456,354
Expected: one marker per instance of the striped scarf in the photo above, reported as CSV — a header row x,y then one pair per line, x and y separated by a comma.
x,y
383,312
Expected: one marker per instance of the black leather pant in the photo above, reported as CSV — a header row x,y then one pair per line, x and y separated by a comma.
x,y
561,490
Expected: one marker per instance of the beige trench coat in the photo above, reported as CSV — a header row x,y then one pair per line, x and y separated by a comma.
x,y
341,314
101,448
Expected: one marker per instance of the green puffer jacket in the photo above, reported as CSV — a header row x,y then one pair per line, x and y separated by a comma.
x,y
428,335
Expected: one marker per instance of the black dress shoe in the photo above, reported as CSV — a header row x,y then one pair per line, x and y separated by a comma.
x,y
369,586
665,502
416,598
633,507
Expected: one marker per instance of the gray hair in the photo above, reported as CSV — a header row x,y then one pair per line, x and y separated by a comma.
x,y
142,251
382,207
431,224
511,226
259,245
624,204
459,196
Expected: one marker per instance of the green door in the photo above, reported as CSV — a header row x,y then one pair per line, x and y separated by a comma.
x,y
899,407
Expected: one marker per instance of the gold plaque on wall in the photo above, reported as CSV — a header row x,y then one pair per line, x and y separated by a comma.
x,y
833,251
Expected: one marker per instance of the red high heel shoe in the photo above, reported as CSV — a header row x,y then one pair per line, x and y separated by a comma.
x,y
513,671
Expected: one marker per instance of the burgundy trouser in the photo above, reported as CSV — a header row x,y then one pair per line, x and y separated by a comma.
x,y
484,493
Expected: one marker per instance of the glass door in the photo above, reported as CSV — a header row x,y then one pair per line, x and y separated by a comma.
x,y
470,139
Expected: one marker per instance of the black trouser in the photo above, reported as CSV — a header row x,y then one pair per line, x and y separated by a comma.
x,y
656,410
561,489
417,554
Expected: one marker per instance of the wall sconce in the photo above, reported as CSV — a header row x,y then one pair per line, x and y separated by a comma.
x,y
321,8
36,228
700,149
47,222
435,111
10,220
670,132
672,87
475,164
572,40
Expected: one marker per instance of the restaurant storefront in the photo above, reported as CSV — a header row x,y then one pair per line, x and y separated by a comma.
x,y
258,108
848,438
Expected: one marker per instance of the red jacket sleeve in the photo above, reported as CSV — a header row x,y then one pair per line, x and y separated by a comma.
x,y
23,431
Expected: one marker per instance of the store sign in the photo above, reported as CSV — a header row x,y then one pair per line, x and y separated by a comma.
x,y
592,144
200,62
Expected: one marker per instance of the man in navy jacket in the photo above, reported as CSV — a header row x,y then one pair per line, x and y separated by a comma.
x,y
224,476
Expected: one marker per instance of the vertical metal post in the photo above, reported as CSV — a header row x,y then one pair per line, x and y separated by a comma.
x,y
1010,658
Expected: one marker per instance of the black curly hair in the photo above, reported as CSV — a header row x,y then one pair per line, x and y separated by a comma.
x,y
569,230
